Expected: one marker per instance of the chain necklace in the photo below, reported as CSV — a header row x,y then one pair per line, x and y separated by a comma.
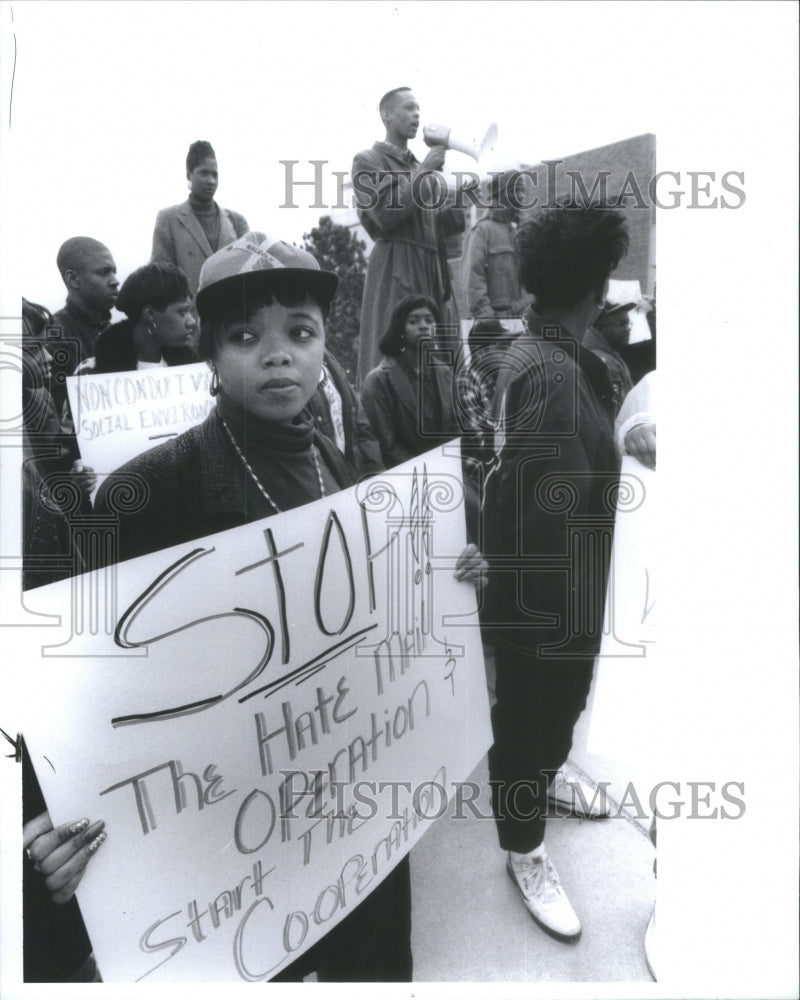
x,y
255,478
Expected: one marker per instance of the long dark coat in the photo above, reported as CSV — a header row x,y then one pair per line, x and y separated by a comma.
x,y
409,255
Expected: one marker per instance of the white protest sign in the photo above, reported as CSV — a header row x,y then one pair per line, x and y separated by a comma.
x,y
119,415
626,678
267,719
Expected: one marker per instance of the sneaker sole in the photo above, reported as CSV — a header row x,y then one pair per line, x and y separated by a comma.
x,y
565,938
567,810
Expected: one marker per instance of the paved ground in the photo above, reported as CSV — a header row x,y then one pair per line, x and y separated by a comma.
x,y
470,925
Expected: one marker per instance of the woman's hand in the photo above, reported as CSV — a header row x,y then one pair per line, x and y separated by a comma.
x,y
471,567
85,477
62,853
641,443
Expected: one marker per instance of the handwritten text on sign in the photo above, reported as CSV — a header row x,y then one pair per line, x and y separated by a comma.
x,y
313,689
119,415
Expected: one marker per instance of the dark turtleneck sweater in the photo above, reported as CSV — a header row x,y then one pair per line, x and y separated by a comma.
x,y
282,457
197,484
207,213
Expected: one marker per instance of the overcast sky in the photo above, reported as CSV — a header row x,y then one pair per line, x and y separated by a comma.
x,y
100,124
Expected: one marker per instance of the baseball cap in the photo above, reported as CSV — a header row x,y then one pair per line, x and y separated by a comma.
x,y
256,258
614,308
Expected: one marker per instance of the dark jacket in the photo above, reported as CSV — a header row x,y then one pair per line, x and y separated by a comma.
x,y
406,423
192,486
361,447
490,271
56,944
550,496
115,351
78,332
618,371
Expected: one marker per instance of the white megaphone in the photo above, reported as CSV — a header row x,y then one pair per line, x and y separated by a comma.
x,y
443,135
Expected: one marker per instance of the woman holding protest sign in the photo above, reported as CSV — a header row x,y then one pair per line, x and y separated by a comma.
x,y
263,305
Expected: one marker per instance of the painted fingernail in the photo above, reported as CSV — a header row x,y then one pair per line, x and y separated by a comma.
x,y
95,844
93,830
77,827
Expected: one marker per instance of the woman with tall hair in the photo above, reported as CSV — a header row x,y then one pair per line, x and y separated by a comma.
x,y
187,234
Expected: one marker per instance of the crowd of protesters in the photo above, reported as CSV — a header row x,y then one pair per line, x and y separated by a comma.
x,y
532,393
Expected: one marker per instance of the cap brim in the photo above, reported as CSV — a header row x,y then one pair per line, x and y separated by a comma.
x,y
622,307
321,285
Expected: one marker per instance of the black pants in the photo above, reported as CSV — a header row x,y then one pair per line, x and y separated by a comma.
x,y
538,703
371,944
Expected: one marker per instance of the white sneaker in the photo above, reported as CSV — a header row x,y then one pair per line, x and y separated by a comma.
x,y
569,794
541,891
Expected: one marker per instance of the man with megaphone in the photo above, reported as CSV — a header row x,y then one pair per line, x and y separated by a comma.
x,y
399,205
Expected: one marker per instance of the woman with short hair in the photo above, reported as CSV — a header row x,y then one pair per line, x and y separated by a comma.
x,y
160,327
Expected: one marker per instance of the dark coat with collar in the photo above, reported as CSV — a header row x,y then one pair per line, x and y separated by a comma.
x,y
404,424
116,352
409,256
361,447
178,238
618,371
192,486
550,495
78,330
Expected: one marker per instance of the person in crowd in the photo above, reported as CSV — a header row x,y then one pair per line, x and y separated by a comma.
x,y
90,274
56,484
490,268
549,513
189,233
159,328
409,398
609,333
392,191
488,341
263,305
339,414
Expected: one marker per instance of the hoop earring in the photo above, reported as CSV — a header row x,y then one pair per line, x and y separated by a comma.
x,y
403,345
152,330
213,389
